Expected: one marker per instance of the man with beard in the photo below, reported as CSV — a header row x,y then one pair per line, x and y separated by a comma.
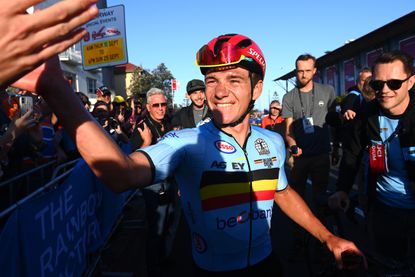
x,y
189,117
307,134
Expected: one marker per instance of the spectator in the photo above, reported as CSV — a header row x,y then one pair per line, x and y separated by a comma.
x,y
198,111
274,121
17,126
307,134
351,104
160,198
386,129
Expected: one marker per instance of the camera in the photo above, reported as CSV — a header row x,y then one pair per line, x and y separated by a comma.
x,y
113,123
294,149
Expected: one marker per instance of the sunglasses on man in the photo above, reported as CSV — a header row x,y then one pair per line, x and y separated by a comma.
x,y
393,84
159,105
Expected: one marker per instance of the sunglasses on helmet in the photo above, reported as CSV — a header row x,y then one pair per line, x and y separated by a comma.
x,y
393,84
228,55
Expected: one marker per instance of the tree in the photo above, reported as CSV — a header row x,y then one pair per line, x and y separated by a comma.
x,y
162,79
143,80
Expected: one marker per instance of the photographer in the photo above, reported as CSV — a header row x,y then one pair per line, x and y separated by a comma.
x,y
110,124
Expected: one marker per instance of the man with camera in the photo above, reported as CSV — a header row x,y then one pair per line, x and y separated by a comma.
x,y
160,198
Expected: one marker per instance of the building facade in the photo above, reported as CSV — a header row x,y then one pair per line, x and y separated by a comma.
x,y
340,68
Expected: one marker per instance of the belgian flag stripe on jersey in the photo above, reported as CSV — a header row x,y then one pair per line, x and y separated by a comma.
x,y
221,189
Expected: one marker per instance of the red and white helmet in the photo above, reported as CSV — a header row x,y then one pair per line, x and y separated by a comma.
x,y
231,49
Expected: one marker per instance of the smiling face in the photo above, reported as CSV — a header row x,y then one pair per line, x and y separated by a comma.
x,y
393,101
157,107
198,98
228,93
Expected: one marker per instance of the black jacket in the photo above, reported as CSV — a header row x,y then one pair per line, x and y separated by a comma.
x,y
364,131
184,118
155,128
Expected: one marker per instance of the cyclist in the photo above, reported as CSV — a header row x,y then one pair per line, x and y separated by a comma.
x,y
228,172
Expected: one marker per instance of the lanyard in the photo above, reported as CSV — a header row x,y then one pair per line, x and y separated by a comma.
x,y
312,102
394,134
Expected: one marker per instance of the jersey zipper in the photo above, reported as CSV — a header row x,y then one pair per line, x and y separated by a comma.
x,y
250,207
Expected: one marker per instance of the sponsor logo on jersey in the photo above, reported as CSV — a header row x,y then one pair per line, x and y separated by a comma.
x,y
225,147
241,218
199,243
261,146
223,165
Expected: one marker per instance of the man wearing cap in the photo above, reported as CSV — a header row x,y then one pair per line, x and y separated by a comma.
x,y
190,116
103,94
274,121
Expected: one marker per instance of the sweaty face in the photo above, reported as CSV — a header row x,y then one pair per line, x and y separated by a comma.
x,y
393,101
157,107
305,71
228,93
198,98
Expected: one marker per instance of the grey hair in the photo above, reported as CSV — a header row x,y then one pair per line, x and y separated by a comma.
x,y
154,91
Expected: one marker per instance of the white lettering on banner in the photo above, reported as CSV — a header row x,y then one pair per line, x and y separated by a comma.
x,y
67,249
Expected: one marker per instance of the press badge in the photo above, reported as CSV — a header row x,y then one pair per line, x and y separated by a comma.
x,y
377,158
308,125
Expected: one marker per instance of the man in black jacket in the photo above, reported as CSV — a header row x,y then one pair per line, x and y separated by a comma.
x,y
190,116
385,137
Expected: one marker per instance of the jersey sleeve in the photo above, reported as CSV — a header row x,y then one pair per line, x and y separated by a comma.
x,y
166,155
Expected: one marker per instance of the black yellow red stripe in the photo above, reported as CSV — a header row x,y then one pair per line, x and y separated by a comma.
x,y
225,189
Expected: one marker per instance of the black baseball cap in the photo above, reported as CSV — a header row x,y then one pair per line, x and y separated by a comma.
x,y
103,90
194,85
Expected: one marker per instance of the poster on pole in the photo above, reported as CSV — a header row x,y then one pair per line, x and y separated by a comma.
x,y
105,44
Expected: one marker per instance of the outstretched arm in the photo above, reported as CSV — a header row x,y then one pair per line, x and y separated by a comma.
x,y
28,40
295,208
119,171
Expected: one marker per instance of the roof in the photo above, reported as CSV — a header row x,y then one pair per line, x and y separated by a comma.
x,y
375,39
124,68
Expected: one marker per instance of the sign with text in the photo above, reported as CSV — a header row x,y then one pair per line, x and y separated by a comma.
x,y
55,233
105,43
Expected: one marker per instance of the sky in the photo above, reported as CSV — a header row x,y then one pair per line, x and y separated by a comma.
x,y
171,32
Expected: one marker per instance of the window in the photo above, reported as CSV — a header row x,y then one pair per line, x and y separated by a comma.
x,y
91,85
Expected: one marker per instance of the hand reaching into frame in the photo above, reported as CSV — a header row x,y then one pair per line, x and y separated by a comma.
x,y
28,40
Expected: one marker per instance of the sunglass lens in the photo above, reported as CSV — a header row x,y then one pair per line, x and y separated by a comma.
x,y
394,84
376,85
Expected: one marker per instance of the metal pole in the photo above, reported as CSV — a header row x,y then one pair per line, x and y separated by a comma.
x,y
172,93
107,72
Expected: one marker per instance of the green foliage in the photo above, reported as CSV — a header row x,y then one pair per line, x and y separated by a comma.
x,y
143,80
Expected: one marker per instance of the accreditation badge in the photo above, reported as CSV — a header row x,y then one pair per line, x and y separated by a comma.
x,y
377,158
308,125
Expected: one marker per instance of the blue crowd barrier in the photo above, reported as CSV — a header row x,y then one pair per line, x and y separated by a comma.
x,y
54,232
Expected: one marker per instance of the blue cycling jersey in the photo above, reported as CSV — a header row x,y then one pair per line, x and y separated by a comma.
x,y
227,191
